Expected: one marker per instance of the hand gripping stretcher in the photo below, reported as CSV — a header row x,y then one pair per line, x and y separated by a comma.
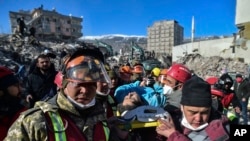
x,y
142,116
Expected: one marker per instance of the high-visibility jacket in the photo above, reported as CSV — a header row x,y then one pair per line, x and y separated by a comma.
x,y
61,128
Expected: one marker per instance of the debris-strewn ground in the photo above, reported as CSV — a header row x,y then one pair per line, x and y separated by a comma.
x,y
12,56
213,66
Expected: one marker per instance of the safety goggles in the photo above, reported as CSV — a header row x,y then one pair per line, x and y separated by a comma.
x,y
86,69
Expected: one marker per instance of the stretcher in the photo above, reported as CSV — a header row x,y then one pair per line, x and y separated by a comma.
x,y
142,117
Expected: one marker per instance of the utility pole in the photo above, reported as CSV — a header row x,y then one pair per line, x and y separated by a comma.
x,y
192,30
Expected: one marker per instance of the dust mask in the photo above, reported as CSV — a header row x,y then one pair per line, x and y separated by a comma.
x,y
167,90
82,106
186,124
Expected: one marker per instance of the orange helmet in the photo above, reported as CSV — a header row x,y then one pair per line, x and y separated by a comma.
x,y
85,65
125,69
179,72
163,74
138,69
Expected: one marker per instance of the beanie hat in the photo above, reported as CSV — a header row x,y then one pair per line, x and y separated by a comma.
x,y
238,75
196,92
7,81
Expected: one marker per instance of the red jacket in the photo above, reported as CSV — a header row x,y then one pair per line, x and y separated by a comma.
x,y
209,132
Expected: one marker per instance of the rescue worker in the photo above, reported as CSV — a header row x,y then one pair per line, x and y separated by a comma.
x,y
138,73
74,113
162,76
10,100
155,73
198,122
125,74
225,83
176,77
242,91
105,93
217,96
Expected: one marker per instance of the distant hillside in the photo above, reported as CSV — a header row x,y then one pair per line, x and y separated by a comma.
x,y
118,41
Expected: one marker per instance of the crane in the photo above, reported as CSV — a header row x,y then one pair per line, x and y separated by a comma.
x,y
105,48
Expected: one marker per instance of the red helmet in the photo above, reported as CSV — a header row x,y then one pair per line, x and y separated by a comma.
x,y
212,80
217,92
58,79
179,72
4,71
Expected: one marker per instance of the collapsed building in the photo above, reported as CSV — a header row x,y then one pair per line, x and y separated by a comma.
x,y
48,24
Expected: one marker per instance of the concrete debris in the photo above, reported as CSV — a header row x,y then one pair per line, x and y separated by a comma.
x,y
213,66
13,56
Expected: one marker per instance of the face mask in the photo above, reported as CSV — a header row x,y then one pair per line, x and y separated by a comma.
x,y
103,93
81,106
167,90
185,123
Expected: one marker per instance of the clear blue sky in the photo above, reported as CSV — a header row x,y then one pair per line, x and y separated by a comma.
x,y
132,17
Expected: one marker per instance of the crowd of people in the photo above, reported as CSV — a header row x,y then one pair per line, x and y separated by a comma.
x,y
85,99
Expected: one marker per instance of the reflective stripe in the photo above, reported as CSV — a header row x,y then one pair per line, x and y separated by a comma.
x,y
231,115
58,126
106,130
112,103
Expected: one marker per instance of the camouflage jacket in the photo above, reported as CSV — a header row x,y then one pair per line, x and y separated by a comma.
x,y
32,126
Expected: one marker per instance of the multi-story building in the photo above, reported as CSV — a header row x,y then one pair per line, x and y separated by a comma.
x,y
163,35
49,23
242,18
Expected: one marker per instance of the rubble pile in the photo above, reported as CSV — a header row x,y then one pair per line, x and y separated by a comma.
x,y
213,66
13,56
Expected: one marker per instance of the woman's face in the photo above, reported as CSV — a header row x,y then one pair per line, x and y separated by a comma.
x,y
131,99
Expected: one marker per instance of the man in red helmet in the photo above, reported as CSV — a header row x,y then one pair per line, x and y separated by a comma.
x,y
176,76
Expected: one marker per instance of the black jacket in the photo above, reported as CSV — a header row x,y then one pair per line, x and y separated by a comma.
x,y
242,90
39,85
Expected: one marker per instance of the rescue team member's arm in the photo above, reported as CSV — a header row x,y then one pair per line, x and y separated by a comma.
x,y
113,123
28,127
